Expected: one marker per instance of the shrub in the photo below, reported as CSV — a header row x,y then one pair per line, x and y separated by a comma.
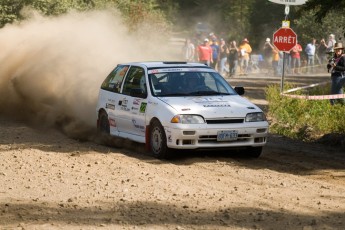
x,y
304,119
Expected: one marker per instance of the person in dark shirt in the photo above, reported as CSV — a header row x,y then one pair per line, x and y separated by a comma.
x,y
233,58
322,52
337,68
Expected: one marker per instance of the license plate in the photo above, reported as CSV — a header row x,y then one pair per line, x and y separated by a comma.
x,y
227,135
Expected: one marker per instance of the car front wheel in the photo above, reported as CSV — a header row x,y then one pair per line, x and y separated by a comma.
x,y
158,140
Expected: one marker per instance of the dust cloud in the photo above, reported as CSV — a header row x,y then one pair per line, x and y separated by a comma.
x,y
52,67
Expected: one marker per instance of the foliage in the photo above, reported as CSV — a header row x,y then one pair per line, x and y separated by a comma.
x,y
9,11
143,15
229,19
303,119
135,12
265,18
322,8
307,28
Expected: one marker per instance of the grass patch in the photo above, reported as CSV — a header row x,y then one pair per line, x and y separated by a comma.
x,y
307,120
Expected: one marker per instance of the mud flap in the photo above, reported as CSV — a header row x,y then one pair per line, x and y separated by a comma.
x,y
147,139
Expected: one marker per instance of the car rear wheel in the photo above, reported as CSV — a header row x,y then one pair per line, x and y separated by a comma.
x,y
103,125
253,152
158,140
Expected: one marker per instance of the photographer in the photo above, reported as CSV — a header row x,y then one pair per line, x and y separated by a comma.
x,y
337,68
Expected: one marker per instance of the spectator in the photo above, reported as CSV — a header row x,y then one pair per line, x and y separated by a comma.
x,y
331,43
337,69
275,61
245,50
321,52
310,52
212,36
296,59
205,53
188,51
268,49
233,58
215,53
224,51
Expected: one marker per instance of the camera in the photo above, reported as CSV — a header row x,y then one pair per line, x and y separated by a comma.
x,y
330,64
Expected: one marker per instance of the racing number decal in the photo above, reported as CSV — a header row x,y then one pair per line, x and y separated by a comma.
x,y
143,107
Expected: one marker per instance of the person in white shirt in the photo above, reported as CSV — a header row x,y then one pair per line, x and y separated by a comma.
x,y
331,43
188,51
310,52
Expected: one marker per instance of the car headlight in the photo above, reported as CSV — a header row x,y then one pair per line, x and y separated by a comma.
x,y
253,117
188,119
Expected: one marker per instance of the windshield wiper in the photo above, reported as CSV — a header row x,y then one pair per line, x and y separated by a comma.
x,y
174,94
198,93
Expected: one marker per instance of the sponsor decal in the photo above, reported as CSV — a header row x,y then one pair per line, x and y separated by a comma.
x,y
135,108
125,109
153,103
166,70
124,105
110,106
112,122
217,105
154,71
141,127
186,109
136,101
143,107
169,138
208,99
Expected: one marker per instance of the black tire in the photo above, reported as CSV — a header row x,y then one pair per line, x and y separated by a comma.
x,y
103,124
253,152
158,141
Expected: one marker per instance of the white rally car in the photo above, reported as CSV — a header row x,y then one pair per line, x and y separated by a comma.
x,y
178,105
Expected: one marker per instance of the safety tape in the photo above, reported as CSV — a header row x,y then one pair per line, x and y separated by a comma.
x,y
311,97
315,97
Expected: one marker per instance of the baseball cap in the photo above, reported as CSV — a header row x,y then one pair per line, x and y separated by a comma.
x,y
206,40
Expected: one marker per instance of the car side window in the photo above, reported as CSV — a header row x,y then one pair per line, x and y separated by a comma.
x,y
114,80
134,81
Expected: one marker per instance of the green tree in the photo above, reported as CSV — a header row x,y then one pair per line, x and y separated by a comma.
x,y
323,7
135,12
308,28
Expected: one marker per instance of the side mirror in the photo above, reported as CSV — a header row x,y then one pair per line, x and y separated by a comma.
x,y
239,90
138,92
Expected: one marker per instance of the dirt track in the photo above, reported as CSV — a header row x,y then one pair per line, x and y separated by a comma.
x,y
49,181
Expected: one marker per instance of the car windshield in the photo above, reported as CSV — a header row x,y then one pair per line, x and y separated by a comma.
x,y
198,83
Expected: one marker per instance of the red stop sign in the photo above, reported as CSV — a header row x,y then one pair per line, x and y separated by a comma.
x,y
284,39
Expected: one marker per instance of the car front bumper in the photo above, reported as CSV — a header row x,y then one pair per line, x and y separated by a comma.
x,y
206,137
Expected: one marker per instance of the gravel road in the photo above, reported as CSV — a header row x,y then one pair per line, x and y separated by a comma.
x,y
50,181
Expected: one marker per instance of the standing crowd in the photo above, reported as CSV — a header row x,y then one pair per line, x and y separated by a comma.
x,y
214,52
230,59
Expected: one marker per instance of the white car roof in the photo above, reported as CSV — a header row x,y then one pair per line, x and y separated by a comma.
x,y
157,64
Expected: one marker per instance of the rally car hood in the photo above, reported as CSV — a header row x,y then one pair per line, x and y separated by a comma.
x,y
212,106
